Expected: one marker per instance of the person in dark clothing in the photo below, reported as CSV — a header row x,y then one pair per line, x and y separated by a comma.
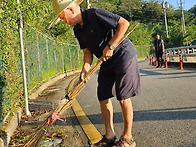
x,y
98,32
159,50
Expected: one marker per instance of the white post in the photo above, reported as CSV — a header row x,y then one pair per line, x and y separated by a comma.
x,y
88,4
183,21
164,5
23,65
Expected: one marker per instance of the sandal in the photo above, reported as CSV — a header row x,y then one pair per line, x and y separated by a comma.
x,y
123,142
105,142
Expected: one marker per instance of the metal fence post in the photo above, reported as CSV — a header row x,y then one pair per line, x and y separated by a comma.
x,y
55,60
78,55
38,57
62,55
70,58
23,64
47,53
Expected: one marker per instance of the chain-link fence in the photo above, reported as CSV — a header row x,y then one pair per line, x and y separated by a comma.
x,y
46,58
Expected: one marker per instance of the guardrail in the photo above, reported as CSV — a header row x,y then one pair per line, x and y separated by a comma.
x,y
184,54
188,54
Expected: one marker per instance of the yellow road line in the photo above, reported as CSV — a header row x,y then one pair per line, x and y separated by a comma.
x,y
89,129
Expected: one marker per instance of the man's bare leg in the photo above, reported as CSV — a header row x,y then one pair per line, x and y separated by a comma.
x,y
127,114
107,114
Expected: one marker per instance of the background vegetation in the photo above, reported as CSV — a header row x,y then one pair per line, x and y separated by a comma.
x,y
148,13
38,14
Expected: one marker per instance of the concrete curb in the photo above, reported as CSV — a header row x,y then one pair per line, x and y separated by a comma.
x,y
11,127
15,120
53,80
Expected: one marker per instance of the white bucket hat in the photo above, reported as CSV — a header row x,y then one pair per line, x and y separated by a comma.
x,y
59,6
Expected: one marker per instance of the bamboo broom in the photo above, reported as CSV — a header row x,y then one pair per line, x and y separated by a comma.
x,y
72,93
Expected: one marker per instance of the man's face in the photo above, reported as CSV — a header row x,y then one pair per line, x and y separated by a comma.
x,y
157,36
67,16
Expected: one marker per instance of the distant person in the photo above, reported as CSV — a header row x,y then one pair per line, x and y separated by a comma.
x,y
98,32
159,50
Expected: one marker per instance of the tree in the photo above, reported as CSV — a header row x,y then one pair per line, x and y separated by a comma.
x,y
193,10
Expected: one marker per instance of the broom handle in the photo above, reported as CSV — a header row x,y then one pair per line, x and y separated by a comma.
x,y
127,34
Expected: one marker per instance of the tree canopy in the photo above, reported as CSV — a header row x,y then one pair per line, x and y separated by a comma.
x,y
150,14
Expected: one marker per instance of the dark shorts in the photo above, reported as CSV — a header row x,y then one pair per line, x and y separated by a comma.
x,y
122,81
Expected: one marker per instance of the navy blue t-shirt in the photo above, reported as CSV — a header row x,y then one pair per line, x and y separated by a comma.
x,y
99,26
158,45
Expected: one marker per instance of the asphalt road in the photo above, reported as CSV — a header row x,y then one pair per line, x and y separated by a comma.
x,y
165,114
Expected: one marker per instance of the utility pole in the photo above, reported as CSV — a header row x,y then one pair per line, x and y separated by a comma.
x,y
165,5
183,22
88,4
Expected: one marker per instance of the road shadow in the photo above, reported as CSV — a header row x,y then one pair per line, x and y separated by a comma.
x,y
183,113
141,61
188,145
158,73
153,115
166,114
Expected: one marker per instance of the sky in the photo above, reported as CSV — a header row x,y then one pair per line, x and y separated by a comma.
x,y
187,4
